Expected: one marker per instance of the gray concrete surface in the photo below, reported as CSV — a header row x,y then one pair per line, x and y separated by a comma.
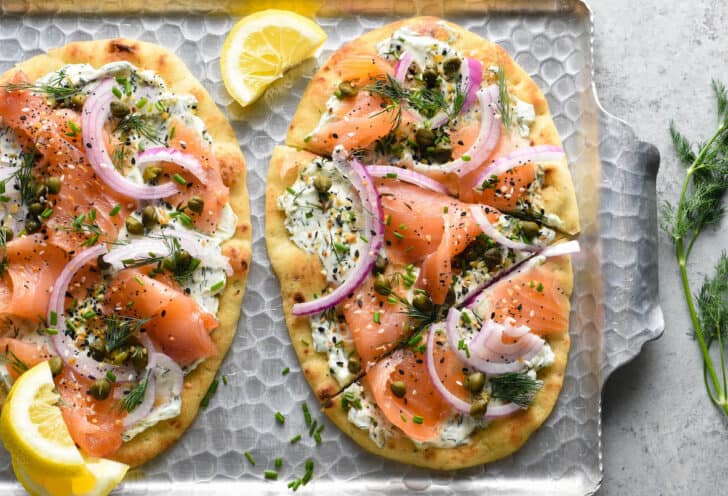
x,y
654,62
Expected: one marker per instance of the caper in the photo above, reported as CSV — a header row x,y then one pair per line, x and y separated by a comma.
x,y
422,302
134,226
32,225
492,257
182,259
530,229
451,66
54,185
151,173
425,137
78,99
56,365
346,89
322,183
399,388
475,382
7,233
429,76
119,109
40,190
103,264
149,216
36,208
139,357
380,265
442,152
382,285
479,407
97,349
354,365
196,204
119,356
100,389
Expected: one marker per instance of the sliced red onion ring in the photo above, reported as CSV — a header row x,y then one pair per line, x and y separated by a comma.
x,y
495,411
94,115
372,213
557,250
532,154
475,78
165,362
440,119
407,176
489,230
486,141
458,404
173,156
403,65
142,410
79,360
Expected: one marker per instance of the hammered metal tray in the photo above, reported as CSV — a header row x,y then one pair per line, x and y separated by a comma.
x,y
615,302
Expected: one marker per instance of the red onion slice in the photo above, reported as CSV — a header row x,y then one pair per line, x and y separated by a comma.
x,y
173,156
94,115
402,66
458,404
165,362
489,230
475,78
143,409
495,411
568,248
79,360
532,154
372,214
407,176
486,141
439,120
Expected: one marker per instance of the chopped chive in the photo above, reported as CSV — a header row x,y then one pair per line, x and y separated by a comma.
x,y
307,138
306,414
387,219
398,235
141,103
4,198
291,190
172,132
179,179
217,286
377,317
465,158
465,317
314,424
54,318
139,281
89,315
285,371
404,419
224,379
341,248
210,391
403,227
363,238
417,419
271,474
47,213
317,437
539,287
320,429
392,175
110,376
280,418
278,462
115,211
250,458
445,209
51,330
117,92
295,439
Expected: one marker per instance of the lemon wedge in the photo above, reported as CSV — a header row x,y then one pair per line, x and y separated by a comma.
x,y
32,427
262,46
98,478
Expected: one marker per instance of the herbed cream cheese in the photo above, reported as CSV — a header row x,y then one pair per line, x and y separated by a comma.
x,y
331,337
328,224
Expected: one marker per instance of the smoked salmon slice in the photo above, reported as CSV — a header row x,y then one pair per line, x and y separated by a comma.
x,y
178,325
21,355
31,267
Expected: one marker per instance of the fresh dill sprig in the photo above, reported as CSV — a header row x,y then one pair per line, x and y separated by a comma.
x,y
135,396
427,101
504,98
57,88
119,329
699,207
86,223
24,176
15,363
458,102
137,124
515,387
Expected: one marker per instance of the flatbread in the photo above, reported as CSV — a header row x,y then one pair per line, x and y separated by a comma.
x,y
557,192
179,79
300,273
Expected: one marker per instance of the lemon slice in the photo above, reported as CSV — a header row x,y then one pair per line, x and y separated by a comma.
x,y
32,427
98,478
262,46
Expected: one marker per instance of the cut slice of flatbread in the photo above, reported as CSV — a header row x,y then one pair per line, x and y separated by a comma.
x,y
179,80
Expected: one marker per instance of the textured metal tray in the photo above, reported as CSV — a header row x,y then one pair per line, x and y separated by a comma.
x,y
615,303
